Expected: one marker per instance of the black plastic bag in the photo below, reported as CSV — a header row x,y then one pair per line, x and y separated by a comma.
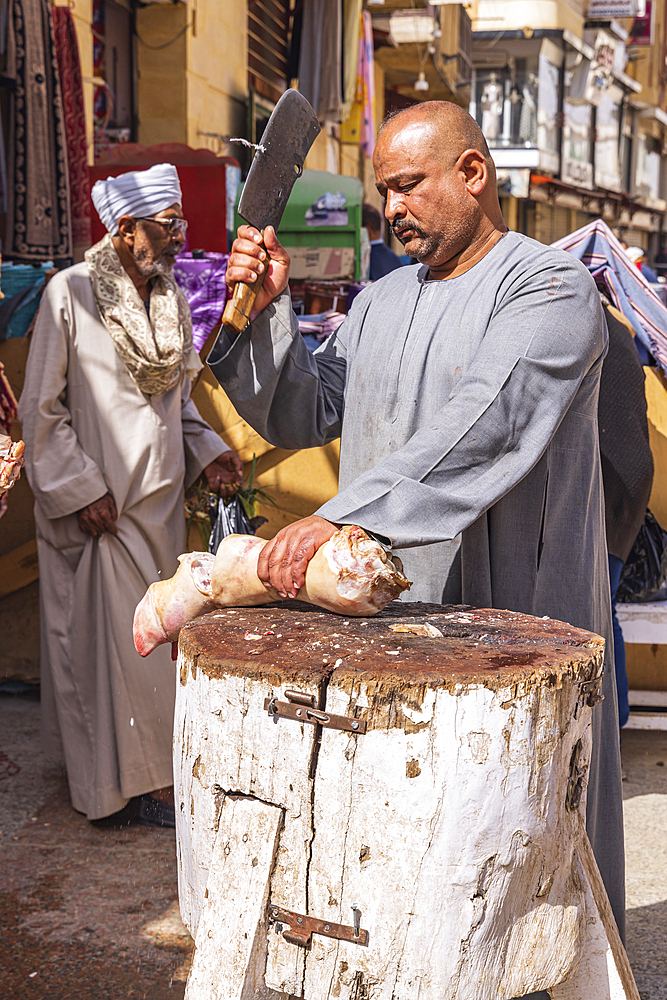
x,y
645,570
228,518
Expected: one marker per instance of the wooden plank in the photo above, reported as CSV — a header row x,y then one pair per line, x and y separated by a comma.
x,y
226,743
19,568
648,699
604,971
230,947
647,720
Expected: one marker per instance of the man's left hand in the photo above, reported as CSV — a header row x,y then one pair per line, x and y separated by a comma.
x,y
225,474
283,561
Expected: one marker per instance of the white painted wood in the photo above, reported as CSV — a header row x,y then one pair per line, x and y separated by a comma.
x,y
445,824
648,699
230,947
647,720
448,817
643,622
225,742
603,971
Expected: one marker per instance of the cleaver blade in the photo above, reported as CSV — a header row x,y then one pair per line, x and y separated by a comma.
x,y
278,162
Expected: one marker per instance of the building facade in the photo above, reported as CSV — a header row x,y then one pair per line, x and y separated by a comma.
x,y
571,103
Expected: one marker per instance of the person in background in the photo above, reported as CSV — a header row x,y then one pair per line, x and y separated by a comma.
x,y
111,439
661,258
383,260
638,257
627,466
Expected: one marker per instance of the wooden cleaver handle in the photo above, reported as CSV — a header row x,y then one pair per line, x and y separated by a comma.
x,y
238,308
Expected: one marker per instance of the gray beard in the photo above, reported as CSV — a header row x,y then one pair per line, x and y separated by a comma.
x,y
149,269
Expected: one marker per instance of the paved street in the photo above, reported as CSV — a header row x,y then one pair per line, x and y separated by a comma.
x,y
645,794
88,911
85,912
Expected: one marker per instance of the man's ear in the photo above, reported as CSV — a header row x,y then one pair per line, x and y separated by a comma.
x,y
476,171
126,229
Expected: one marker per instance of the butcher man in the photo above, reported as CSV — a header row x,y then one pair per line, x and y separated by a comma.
x,y
464,390
111,439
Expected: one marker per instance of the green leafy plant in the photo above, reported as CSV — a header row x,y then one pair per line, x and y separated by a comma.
x,y
251,496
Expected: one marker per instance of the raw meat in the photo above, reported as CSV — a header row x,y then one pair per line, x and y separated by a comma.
x,y
350,574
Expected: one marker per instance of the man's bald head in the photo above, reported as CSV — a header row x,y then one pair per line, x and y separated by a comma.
x,y
434,170
455,128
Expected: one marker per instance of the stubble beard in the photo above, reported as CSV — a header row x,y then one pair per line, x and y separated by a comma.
x,y
440,245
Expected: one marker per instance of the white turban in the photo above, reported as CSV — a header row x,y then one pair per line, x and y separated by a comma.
x,y
139,193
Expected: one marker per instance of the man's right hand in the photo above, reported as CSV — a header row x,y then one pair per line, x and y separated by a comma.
x,y
248,258
99,516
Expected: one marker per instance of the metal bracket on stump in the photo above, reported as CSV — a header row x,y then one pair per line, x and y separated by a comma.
x,y
301,928
301,707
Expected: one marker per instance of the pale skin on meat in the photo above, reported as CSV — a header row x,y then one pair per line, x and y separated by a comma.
x,y
350,575
427,169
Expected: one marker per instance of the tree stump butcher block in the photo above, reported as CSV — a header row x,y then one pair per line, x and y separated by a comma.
x,y
390,808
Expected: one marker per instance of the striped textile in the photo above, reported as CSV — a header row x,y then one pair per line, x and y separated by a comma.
x,y
596,246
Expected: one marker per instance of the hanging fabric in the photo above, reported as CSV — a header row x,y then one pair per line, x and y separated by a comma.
x,y
351,19
38,212
71,87
359,126
320,57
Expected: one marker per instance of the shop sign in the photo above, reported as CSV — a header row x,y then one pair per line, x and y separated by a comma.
x,y
607,165
601,68
641,32
576,167
608,10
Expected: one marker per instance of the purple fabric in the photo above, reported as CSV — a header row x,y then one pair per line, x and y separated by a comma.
x,y
202,280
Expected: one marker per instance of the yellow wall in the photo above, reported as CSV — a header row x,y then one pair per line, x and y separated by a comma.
x,y
161,76
647,664
217,69
298,481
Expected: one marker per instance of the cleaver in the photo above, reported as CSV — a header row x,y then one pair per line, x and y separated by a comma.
x,y
278,162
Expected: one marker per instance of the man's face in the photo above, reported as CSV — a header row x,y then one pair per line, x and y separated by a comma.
x,y
427,203
155,247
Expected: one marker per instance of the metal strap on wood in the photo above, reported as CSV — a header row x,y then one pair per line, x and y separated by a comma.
x,y
300,928
300,706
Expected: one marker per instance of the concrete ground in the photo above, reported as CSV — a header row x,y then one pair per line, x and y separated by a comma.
x,y
89,912
645,809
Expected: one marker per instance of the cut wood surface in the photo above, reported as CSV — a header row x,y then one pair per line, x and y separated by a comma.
x,y
445,823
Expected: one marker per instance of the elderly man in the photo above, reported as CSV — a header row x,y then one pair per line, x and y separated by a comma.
x,y
464,391
111,438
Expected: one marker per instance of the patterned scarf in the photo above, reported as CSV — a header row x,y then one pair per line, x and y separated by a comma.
x,y
155,351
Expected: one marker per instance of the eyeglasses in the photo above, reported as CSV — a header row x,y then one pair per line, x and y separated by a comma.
x,y
173,226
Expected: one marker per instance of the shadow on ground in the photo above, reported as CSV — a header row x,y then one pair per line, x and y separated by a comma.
x,y
85,912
